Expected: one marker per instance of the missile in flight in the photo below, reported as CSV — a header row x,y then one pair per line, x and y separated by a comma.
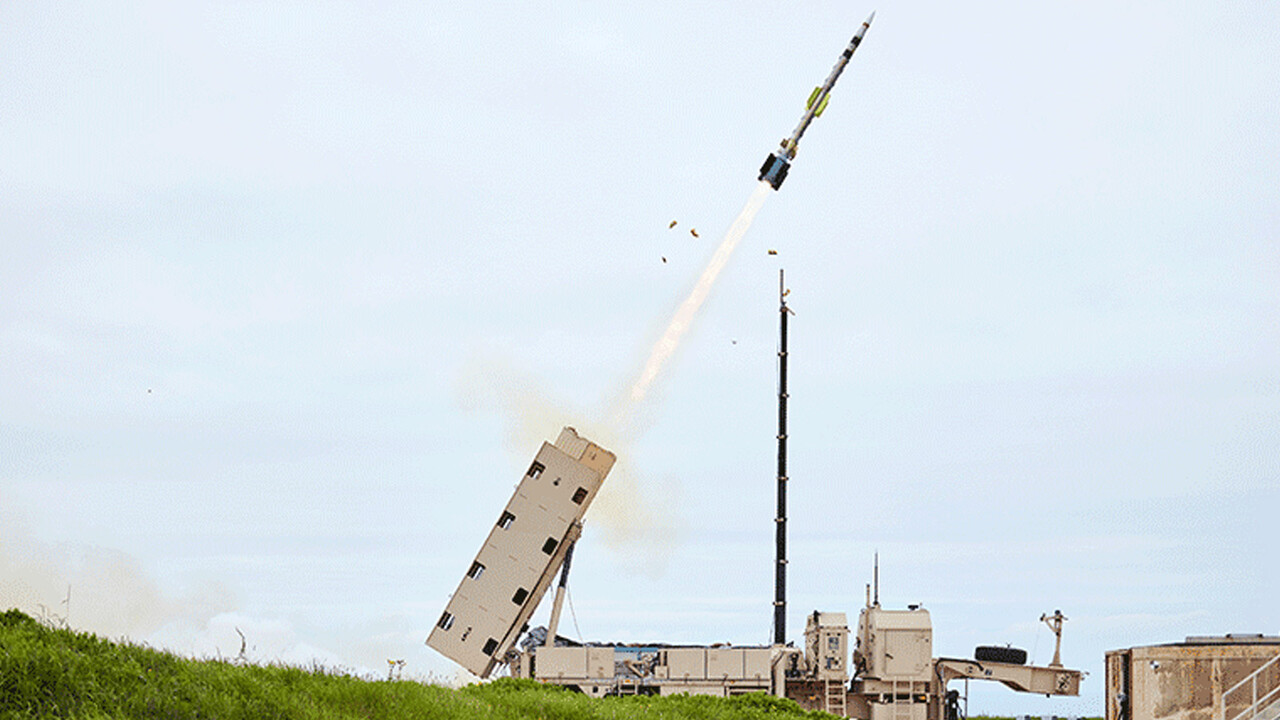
x,y
775,167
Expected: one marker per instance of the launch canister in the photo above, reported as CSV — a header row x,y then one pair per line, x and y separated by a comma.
x,y
775,167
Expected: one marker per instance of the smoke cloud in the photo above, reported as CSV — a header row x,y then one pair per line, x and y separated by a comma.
x,y
93,589
108,593
635,517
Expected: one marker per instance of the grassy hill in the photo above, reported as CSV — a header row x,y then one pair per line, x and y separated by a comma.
x,y
50,672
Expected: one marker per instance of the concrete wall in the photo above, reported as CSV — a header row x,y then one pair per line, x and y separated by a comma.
x,y
1185,681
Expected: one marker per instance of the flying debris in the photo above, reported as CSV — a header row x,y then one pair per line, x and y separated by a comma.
x,y
664,258
773,252
694,232
673,224
775,167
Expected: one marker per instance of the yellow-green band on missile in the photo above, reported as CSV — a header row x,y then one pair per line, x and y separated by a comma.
x,y
821,106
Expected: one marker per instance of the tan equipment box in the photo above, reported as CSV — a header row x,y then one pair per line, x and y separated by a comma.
x,y
896,644
826,642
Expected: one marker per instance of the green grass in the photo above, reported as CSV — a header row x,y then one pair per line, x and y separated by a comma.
x,y
51,672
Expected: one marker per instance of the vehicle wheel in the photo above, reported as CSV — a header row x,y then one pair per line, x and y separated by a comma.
x,y
994,653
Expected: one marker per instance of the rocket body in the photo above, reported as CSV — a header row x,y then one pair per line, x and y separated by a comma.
x,y
778,163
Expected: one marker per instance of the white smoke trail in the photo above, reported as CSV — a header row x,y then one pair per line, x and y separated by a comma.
x,y
631,512
683,319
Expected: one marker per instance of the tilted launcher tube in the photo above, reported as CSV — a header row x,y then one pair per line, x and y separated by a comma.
x,y
528,544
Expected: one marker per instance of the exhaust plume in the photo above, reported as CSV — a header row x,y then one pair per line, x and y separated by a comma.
x,y
688,310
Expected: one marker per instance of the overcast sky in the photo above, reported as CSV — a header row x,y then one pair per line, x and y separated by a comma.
x,y
292,292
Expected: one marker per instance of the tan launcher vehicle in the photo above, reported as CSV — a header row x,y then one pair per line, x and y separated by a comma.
x,y
890,674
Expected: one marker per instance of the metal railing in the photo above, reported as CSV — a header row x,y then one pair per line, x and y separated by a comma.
x,y
1256,702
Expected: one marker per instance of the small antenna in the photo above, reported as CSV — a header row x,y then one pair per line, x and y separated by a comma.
x,y
1054,622
876,580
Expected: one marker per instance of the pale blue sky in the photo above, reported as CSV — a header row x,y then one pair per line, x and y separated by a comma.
x,y
292,291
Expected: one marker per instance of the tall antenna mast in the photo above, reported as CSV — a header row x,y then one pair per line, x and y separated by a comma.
x,y
876,579
780,576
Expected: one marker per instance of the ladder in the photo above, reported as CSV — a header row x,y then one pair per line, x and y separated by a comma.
x,y
834,697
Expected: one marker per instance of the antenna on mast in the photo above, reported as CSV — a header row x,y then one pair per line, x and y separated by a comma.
x,y
875,578
780,570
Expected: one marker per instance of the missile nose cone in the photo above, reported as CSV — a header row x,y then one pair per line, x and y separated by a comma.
x,y
870,17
